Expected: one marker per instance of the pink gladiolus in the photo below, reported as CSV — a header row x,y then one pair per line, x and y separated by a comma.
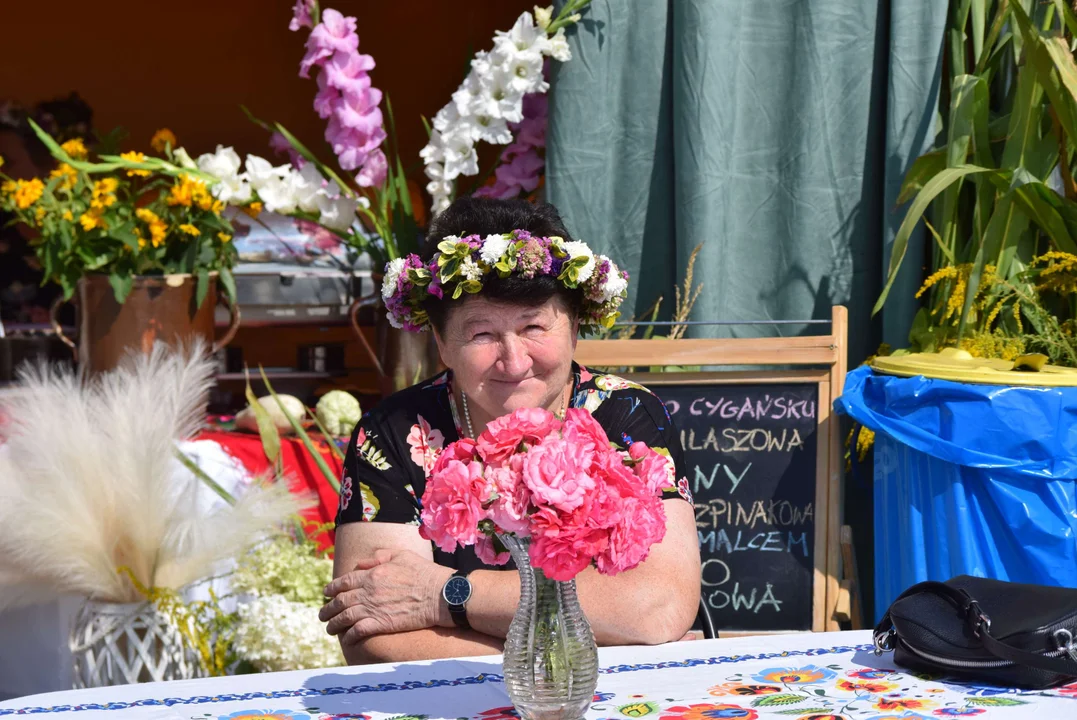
x,y
346,97
375,170
301,15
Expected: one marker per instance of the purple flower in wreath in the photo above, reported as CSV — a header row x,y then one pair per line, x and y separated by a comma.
x,y
602,697
870,674
959,711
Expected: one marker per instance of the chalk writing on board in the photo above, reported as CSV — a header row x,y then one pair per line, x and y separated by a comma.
x,y
750,453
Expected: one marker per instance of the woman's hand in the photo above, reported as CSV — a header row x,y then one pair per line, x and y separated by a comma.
x,y
392,591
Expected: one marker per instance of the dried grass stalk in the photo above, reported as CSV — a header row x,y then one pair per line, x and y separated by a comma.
x,y
89,482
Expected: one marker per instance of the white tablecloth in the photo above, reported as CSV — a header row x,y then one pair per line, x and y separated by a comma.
x,y
822,676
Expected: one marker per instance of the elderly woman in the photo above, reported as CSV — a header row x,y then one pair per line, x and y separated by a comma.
x,y
508,343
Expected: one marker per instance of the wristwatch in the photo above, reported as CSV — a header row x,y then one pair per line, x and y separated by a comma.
x,y
457,592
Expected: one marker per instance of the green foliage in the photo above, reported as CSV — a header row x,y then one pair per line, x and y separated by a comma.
x,y
998,190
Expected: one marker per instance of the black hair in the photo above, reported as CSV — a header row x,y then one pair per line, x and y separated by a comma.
x,y
470,215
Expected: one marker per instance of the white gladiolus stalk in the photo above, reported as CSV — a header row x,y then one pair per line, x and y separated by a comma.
x,y
490,97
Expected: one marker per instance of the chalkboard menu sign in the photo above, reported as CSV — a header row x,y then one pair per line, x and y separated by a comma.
x,y
750,452
763,457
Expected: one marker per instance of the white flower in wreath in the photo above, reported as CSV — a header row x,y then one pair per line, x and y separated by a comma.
x,y
615,284
576,249
493,248
470,269
392,277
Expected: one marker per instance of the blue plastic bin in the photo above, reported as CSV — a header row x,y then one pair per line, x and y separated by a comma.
x,y
970,478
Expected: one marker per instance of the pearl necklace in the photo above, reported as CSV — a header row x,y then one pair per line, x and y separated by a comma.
x,y
467,413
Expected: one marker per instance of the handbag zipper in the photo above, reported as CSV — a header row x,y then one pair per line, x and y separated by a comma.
x,y
938,659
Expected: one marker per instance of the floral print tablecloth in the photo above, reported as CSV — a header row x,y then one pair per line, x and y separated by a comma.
x,y
792,677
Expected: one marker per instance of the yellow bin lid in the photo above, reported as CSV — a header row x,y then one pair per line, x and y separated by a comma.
x,y
960,366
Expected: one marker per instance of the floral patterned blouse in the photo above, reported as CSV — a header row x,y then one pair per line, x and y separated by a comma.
x,y
394,447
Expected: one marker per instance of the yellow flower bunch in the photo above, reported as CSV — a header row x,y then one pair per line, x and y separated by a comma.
x,y
158,228
123,215
68,176
27,192
192,192
135,157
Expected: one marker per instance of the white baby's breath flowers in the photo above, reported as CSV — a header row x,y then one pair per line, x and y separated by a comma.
x,y
277,634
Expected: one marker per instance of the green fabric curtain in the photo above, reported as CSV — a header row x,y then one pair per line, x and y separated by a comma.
x,y
775,132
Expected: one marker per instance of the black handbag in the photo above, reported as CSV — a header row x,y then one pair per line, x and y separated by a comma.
x,y
987,631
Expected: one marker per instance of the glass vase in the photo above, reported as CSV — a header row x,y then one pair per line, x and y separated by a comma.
x,y
550,661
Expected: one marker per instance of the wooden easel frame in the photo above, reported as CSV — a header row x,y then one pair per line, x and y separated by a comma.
x,y
820,359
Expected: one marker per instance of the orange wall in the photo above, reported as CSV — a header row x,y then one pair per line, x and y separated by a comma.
x,y
145,64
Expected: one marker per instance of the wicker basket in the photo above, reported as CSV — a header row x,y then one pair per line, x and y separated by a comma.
x,y
126,643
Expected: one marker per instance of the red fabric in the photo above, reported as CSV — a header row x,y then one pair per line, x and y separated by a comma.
x,y
300,469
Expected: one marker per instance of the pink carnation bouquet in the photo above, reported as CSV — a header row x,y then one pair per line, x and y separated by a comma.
x,y
562,484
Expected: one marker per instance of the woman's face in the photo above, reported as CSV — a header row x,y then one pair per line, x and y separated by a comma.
x,y
507,357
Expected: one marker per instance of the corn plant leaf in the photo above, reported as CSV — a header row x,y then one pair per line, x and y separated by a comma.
x,y
1054,215
922,169
1052,71
972,287
978,12
1024,130
931,190
1067,15
330,476
204,477
267,430
1004,229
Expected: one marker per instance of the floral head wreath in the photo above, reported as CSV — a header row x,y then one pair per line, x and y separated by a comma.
x,y
461,263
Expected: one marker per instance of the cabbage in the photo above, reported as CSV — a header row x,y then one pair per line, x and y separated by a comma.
x,y
338,411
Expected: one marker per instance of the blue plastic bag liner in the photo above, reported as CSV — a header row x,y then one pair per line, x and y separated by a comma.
x,y
969,479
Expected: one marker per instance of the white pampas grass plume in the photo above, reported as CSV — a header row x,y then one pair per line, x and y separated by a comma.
x,y
89,482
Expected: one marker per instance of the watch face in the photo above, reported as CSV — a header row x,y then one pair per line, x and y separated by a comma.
x,y
457,591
